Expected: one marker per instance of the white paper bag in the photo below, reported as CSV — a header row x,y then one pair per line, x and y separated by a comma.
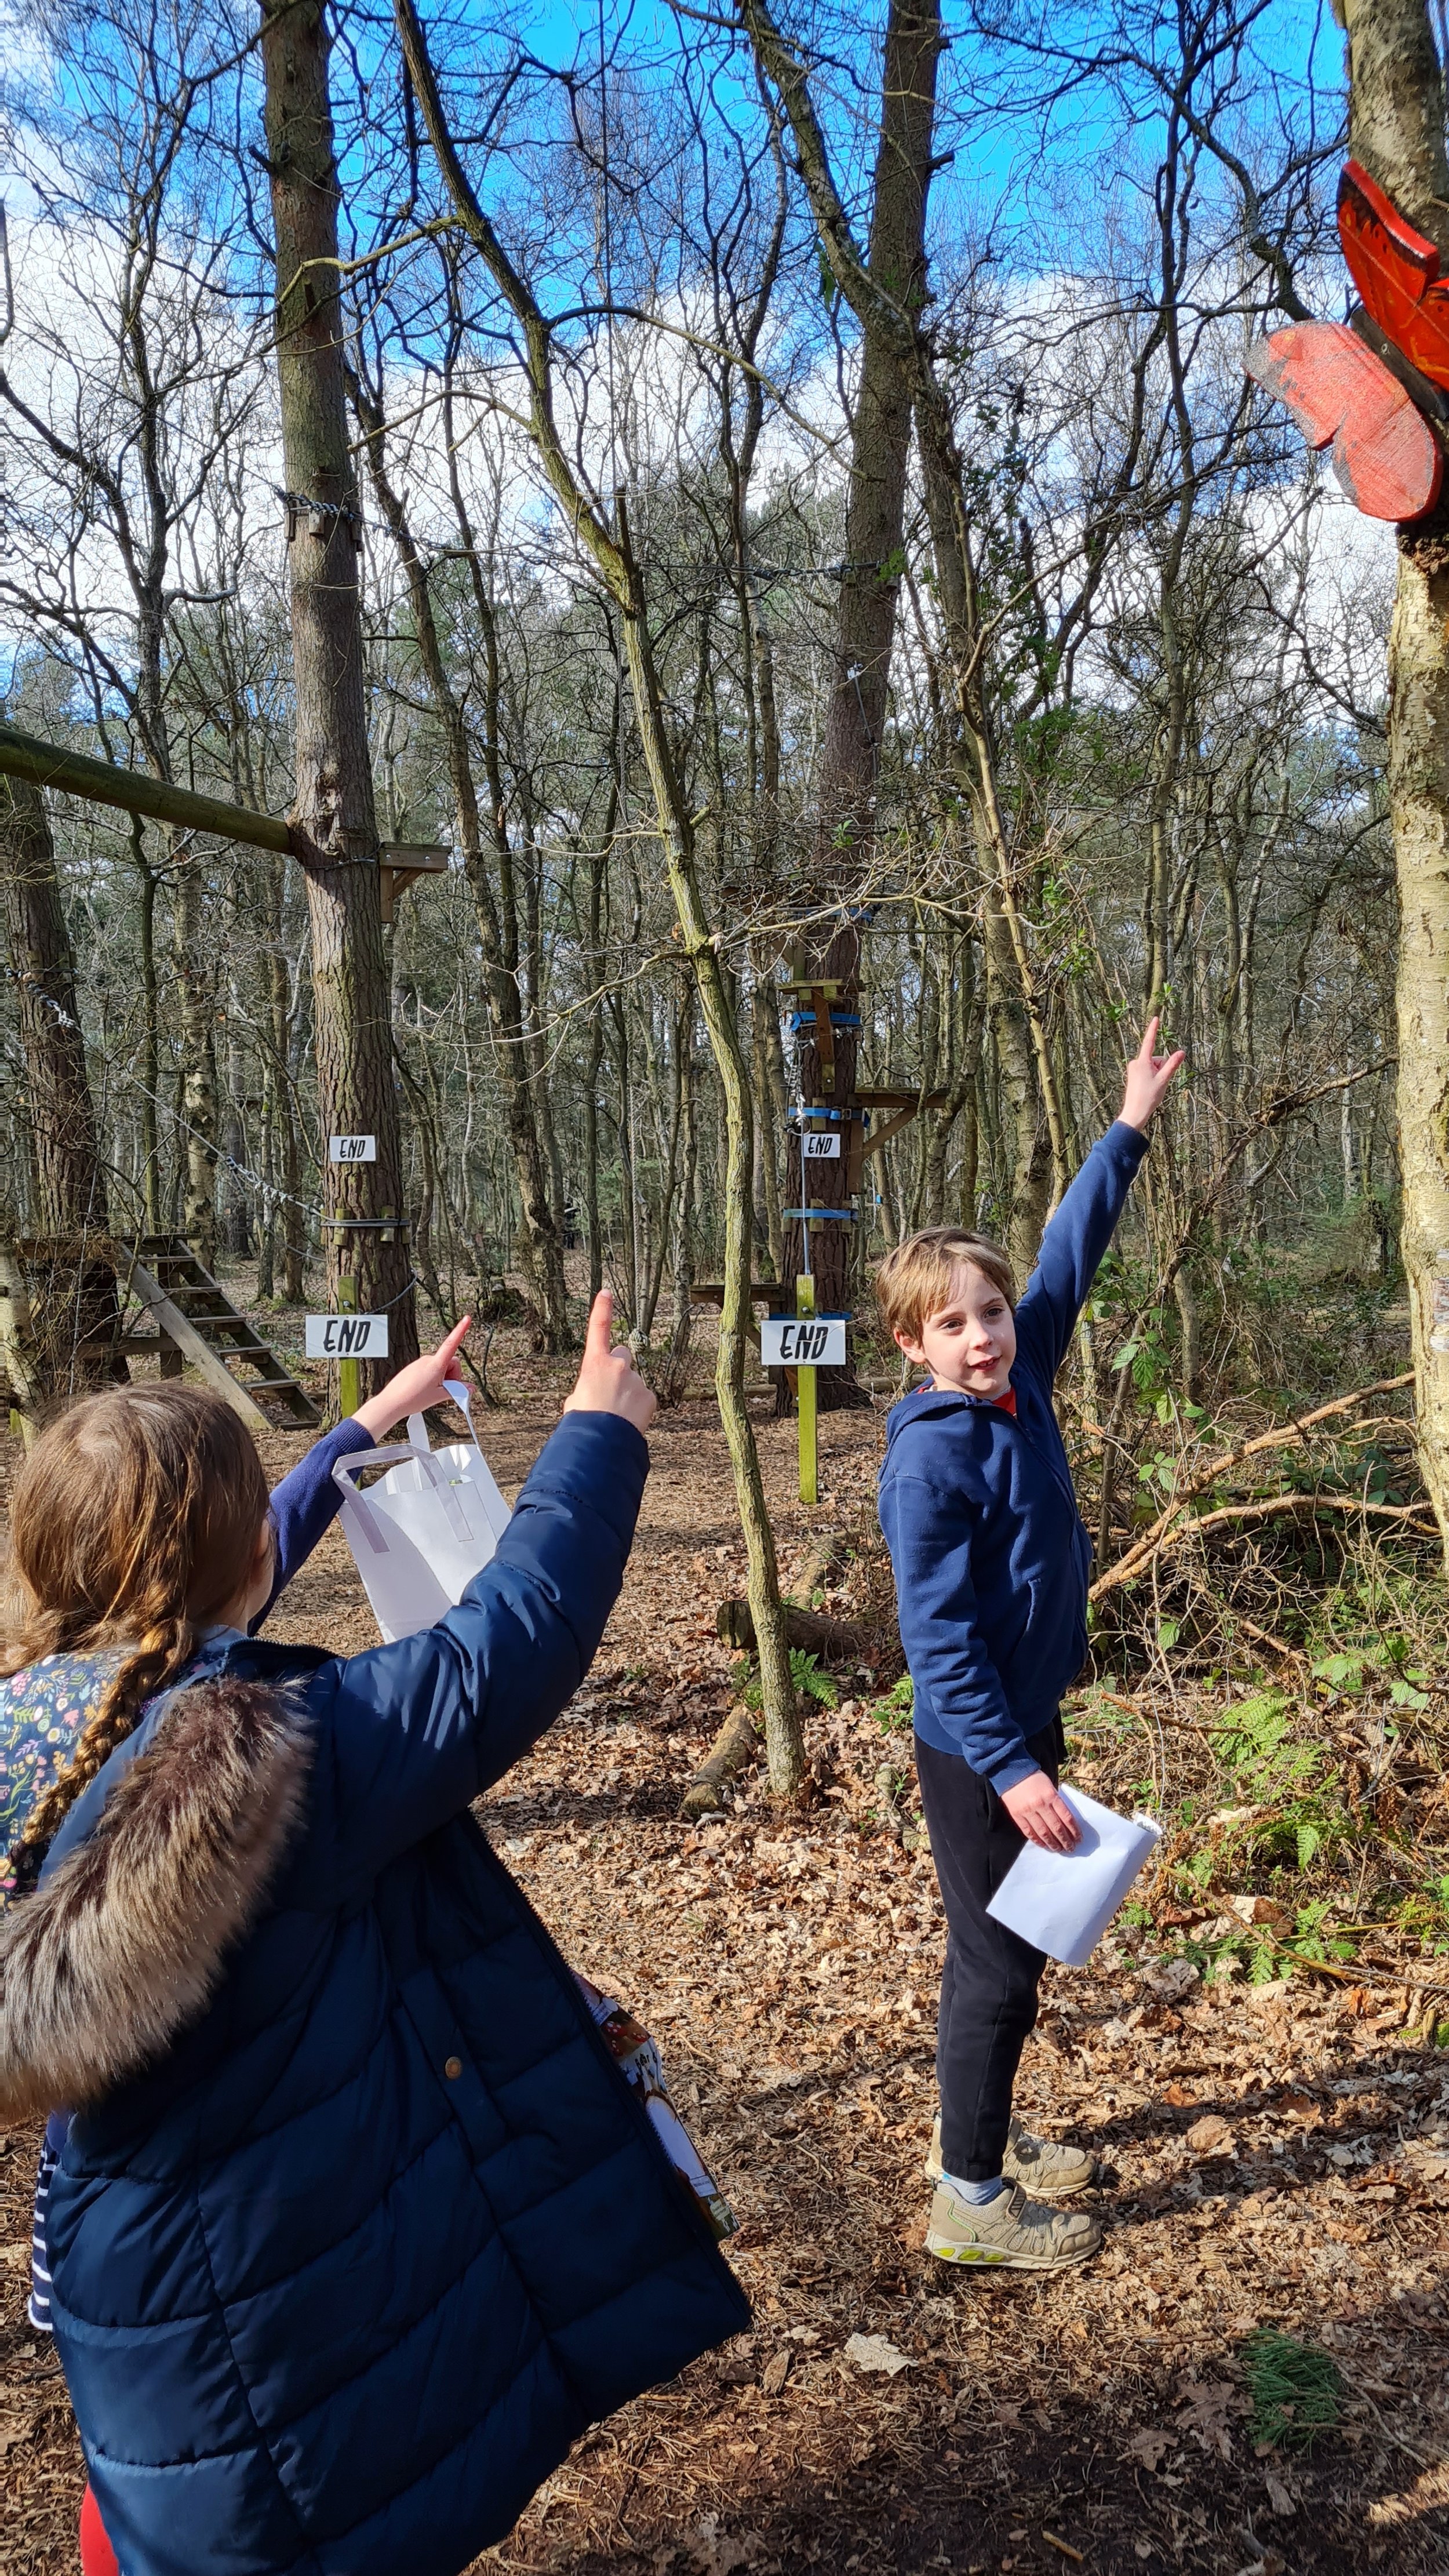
x,y
421,1533
1062,1902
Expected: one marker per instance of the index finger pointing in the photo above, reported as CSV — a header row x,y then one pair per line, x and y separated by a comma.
x,y
601,1325
449,1346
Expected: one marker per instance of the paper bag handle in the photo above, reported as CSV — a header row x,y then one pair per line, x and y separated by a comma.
x,y
442,1484
417,1426
455,1387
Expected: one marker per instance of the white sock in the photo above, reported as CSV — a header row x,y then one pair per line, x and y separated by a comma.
x,y
975,2194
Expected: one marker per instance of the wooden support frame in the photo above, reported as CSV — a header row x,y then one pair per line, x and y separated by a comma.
x,y
104,782
178,1329
906,1104
403,862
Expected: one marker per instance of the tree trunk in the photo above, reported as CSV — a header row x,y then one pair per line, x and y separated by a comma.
x,y
70,1181
1396,127
334,802
69,1175
542,1242
613,557
865,629
198,1086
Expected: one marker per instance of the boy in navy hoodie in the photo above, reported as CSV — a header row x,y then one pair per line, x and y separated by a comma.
x,y
991,1564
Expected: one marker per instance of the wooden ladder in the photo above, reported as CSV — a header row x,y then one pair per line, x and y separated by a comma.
x,y
196,1321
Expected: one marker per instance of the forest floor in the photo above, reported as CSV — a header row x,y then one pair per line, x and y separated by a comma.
x,y
1279,2153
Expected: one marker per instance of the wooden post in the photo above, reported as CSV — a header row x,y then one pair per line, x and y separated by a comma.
x,y
805,1400
349,1372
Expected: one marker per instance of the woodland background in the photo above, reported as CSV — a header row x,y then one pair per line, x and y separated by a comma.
x,y
1100,725
1181,642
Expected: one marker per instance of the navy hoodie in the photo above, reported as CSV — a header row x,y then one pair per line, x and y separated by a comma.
x,y
990,1557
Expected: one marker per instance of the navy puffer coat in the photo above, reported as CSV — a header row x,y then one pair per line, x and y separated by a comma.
x,y
357,2225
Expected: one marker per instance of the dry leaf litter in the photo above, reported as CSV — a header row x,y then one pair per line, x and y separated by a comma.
x,y
1281,2154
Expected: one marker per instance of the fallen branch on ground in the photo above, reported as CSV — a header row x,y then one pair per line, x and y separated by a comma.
x,y
1284,1436
1269,1506
835,1640
730,1751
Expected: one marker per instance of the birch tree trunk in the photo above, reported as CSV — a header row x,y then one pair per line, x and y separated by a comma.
x,y
334,801
1396,128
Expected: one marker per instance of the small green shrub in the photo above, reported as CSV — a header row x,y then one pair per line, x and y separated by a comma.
x,y
1296,2389
805,1673
894,1714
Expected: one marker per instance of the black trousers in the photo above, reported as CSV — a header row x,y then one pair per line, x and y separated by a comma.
x,y
988,1989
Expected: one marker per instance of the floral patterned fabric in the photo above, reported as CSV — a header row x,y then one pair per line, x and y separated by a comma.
x,y
43,1711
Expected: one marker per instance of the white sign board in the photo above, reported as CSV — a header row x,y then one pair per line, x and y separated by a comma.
x,y
803,1341
820,1145
352,1149
347,1337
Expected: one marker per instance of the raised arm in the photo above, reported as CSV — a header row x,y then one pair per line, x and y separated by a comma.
x,y
1083,1226
414,1731
307,1501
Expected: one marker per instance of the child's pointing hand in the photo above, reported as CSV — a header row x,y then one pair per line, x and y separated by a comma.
x,y
416,1388
608,1381
1148,1076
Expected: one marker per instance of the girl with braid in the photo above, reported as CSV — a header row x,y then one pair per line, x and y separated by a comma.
x,y
351,2223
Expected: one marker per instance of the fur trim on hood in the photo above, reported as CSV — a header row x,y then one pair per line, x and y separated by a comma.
x,y
122,1945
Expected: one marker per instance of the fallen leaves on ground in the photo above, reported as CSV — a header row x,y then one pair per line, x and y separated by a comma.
x,y
876,2352
788,1965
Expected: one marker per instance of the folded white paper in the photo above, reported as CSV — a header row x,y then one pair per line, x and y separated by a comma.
x,y
421,1533
1062,1902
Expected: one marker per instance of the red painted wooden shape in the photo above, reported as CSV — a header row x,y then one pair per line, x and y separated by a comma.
x,y
1384,452
1396,272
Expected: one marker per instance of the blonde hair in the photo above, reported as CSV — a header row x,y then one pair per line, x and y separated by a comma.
x,y
914,1282
134,1520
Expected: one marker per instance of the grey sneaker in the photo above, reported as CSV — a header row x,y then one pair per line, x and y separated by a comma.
x,y
1037,2162
1011,2233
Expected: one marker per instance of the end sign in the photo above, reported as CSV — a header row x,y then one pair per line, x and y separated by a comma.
x,y
803,1341
346,1337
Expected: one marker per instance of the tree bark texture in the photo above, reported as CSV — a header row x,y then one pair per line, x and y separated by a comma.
x,y
334,801
865,626
1396,127
69,1174
76,1301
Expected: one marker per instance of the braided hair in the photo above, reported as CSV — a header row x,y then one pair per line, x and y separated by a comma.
x,y
134,1521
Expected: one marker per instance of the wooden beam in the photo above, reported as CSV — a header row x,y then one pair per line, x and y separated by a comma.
x,y
183,1333
824,1038
74,773
901,1099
